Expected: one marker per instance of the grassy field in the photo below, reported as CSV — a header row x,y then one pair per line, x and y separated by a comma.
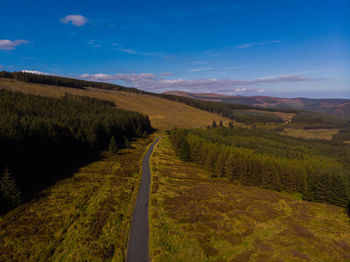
x,y
197,218
325,134
164,114
82,218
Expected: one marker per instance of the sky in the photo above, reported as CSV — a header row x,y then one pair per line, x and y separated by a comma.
x,y
285,48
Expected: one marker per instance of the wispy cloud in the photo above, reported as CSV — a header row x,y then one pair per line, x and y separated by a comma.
x,y
119,48
166,74
77,20
204,10
168,56
248,45
200,69
200,62
220,8
151,82
6,44
94,44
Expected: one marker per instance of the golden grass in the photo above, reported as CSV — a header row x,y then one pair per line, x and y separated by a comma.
x,y
82,218
324,134
197,218
164,114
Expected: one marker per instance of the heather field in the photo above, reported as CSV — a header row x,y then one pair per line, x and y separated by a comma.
x,y
198,218
82,218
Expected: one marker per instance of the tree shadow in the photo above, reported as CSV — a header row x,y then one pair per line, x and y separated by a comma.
x,y
32,177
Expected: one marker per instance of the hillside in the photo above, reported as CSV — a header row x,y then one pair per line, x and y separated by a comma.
x,y
198,218
164,114
339,107
85,217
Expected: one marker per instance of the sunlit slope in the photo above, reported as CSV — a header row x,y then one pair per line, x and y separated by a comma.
x,y
197,218
163,113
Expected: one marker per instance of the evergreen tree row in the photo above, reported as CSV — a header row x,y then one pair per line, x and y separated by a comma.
x,y
39,135
63,81
258,158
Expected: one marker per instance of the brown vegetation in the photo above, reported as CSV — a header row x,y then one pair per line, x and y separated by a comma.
x,y
197,218
82,218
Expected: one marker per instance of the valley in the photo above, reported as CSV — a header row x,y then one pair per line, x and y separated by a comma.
x,y
198,210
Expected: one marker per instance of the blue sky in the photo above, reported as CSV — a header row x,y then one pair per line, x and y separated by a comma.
x,y
286,48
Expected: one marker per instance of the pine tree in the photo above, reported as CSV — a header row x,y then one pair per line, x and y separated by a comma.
x,y
230,124
113,147
214,125
127,142
9,189
221,124
230,167
220,165
184,151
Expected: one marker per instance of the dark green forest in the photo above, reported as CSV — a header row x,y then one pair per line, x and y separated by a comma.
x,y
39,135
319,170
314,120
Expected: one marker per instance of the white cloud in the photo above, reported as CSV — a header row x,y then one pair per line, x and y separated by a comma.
x,y
6,44
77,20
244,89
35,72
119,48
200,69
135,79
248,45
153,83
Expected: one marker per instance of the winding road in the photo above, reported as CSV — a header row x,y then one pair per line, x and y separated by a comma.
x,y
139,231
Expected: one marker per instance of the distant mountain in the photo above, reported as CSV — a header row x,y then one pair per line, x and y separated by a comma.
x,y
340,107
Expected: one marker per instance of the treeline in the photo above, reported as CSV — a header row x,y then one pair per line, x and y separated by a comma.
x,y
63,81
342,136
260,158
314,120
253,117
232,111
39,135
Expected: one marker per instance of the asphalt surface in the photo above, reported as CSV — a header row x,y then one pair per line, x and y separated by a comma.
x,y
139,231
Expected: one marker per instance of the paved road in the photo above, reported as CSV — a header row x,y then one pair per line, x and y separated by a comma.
x,y
139,231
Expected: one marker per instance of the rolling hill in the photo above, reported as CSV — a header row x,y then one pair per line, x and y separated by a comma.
x,y
339,107
86,213
163,113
